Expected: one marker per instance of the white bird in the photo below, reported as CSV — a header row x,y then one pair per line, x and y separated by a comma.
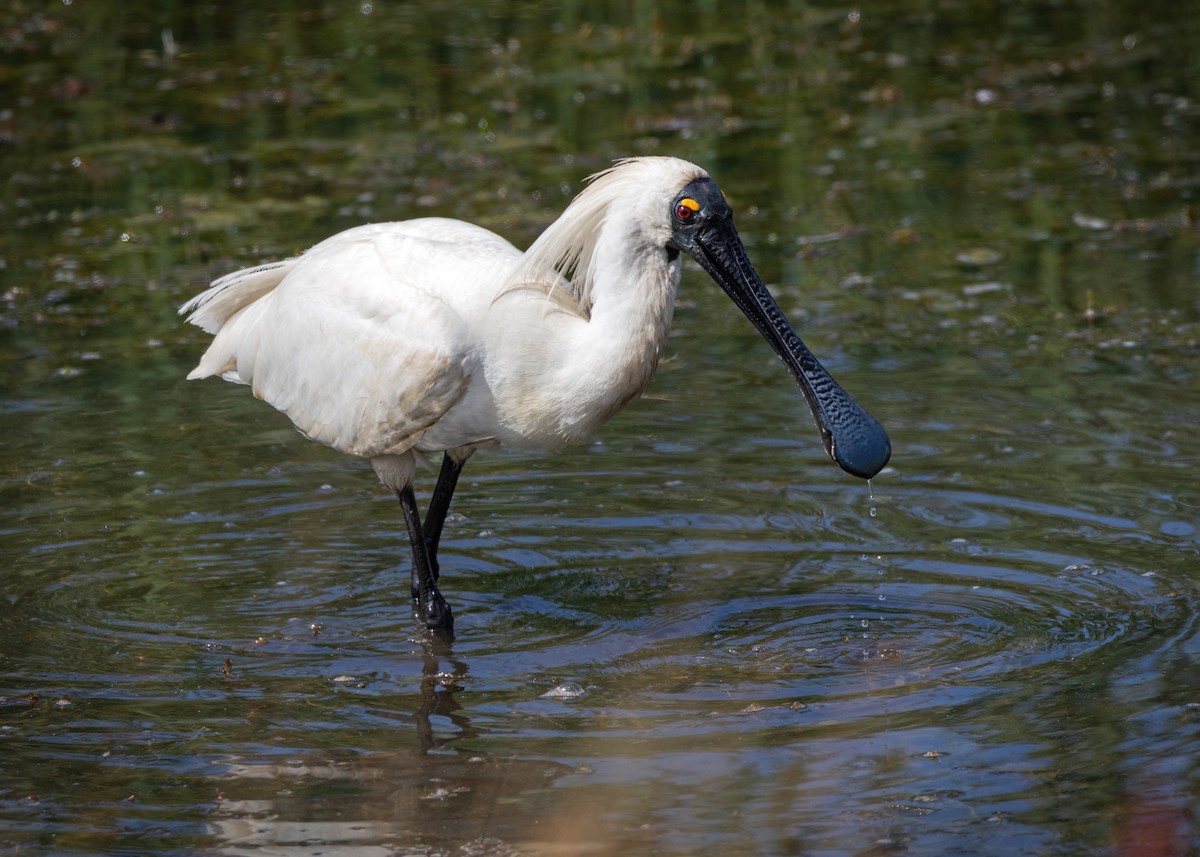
x,y
398,341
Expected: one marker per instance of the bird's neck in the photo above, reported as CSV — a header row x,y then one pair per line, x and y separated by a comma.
x,y
618,349
632,306
558,374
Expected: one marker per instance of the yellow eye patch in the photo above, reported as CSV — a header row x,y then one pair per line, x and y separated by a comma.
x,y
688,202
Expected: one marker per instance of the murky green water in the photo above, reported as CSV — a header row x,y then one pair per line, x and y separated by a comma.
x,y
981,217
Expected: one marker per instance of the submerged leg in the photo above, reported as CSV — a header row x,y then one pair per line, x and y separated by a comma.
x,y
432,605
439,504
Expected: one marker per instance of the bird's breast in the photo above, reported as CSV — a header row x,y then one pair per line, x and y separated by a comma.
x,y
556,380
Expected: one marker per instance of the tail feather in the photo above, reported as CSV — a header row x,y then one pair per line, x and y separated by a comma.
x,y
215,306
226,310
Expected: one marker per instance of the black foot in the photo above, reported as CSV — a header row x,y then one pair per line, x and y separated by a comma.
x,y
436,614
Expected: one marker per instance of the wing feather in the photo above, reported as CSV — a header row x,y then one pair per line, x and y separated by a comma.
x,y
364,341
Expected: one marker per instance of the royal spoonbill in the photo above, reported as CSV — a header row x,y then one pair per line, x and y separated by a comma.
x,y
399,341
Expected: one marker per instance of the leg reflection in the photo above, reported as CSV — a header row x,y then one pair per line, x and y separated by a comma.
x,y
438,687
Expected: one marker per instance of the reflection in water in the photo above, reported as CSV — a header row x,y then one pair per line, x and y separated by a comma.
x,y
435,795
437,693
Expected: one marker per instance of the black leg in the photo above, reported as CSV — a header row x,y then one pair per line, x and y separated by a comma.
x,y
432,605
439,504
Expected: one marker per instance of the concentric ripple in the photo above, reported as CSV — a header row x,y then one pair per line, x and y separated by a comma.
x,y
255,638
725,613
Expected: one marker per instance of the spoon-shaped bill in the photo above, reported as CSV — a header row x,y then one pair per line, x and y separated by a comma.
x,y
853,438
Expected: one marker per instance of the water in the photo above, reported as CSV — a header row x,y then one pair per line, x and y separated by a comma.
x,y
694,635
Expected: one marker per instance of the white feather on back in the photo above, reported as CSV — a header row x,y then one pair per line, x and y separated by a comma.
x,y
354,343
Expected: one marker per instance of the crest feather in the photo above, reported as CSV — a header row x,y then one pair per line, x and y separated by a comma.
x,y
561,262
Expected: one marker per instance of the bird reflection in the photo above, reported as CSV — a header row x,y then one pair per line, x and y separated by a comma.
x,y
348,799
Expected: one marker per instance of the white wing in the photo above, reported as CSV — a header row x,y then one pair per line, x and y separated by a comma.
x,y
364,341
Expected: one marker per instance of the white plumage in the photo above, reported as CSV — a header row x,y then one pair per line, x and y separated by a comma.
x,y
434,334
396,341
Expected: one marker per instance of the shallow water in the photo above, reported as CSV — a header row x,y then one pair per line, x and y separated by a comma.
x,y
981,219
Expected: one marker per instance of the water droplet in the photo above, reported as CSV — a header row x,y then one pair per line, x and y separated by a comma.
x,y
866,623
873,512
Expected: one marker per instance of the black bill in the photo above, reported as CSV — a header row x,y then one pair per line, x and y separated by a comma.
x,y
853,438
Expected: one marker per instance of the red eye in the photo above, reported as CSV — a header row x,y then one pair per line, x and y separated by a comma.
x,y
683,212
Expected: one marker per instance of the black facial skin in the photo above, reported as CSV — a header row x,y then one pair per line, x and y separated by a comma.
x,y
853,438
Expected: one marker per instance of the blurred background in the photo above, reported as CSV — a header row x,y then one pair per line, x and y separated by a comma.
x,y
694,635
